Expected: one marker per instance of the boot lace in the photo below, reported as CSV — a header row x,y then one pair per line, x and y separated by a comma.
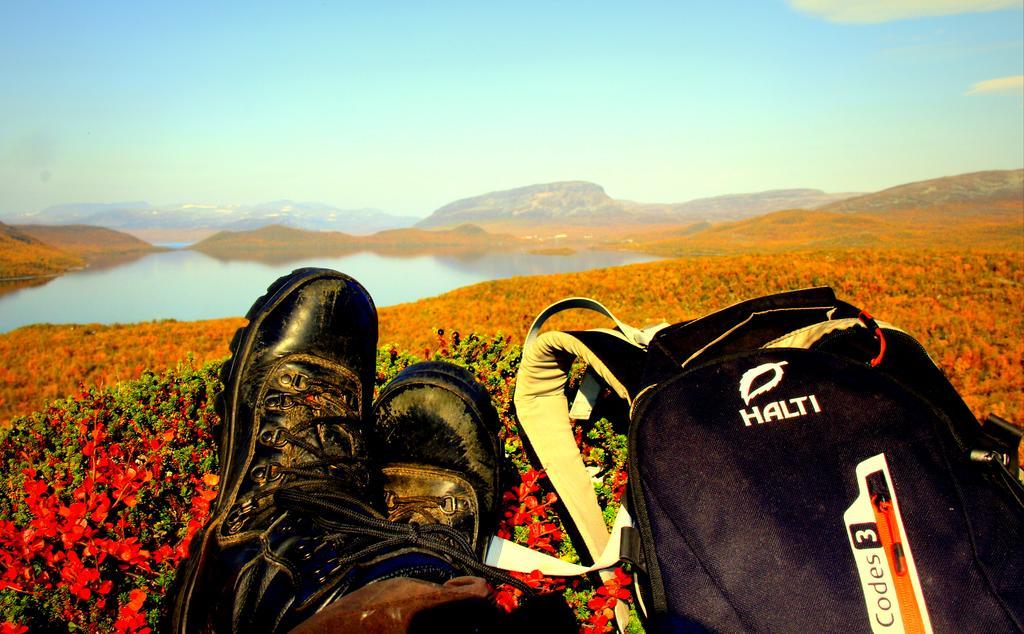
x,y
346,516
322,489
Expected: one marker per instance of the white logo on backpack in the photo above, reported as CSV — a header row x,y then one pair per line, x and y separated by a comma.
x,y
754,373
777,410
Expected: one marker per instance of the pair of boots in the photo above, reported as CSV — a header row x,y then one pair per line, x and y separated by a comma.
x,y
320,496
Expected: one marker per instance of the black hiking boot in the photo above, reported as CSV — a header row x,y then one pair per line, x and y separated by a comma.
x,y
297,391
298,521
435,438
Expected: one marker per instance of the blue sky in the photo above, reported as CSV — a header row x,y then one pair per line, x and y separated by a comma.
x,y
406,106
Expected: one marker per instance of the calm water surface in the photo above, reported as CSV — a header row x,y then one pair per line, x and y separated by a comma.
x,y
188,285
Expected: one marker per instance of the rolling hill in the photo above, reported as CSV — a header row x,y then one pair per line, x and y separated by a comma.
x,y
31,252
87,241
987,192
984,210
279,243
803,229
22,255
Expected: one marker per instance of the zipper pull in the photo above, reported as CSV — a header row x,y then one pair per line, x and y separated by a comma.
x,y
899,557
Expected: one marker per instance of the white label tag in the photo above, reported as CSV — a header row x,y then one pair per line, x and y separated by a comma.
x,y
888,576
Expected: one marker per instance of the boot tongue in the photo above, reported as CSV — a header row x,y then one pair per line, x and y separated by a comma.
x,y
309,437
340,437
315,408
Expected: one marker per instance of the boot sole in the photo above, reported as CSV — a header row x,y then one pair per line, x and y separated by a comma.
x,y
240,345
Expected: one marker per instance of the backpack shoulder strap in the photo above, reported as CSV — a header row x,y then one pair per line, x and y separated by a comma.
x,y
637,336
543,410
614,357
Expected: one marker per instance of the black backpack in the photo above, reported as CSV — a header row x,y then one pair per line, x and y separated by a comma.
x,y
794,465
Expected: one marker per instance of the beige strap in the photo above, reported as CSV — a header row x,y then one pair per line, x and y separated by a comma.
x,y
543,413
636,336
508,555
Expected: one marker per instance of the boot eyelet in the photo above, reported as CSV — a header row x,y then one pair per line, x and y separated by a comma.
x,y
278,401
324,573
273,472
287,527
272,437
263,473
449,504
304,551
237,516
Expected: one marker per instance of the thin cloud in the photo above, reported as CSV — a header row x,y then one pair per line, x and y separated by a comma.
x,y
874,11
1012,85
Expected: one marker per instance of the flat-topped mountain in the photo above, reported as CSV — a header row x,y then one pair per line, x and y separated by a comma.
x,y
565,201
974,189
584,203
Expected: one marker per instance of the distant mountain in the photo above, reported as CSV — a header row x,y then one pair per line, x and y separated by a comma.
x,y
75,212
950,192
566,201
747,205
281,243
583,203
816,229
21,255
87,241
170,221
983,210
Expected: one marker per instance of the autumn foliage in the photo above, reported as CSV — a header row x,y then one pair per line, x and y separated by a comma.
x,y
44,362
21,255
964,307
995,226
103,493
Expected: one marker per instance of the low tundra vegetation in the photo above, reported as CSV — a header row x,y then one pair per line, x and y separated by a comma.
x,y
103,492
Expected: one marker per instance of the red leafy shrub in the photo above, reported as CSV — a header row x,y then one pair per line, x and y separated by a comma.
x,y
102,493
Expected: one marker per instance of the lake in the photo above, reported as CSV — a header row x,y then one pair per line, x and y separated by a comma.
x,y
188,285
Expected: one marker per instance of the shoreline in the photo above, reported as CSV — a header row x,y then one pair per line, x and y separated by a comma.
x,y
91,260
28,278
